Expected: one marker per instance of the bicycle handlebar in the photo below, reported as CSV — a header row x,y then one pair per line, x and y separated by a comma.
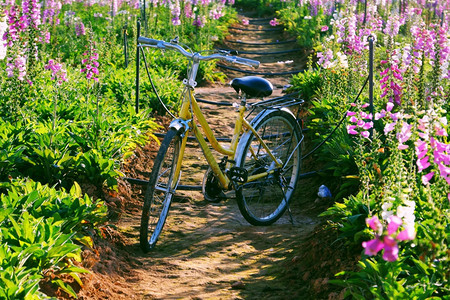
x,y
169,45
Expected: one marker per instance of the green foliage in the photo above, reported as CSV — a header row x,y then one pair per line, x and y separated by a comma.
x,y
350,218
262,8
307,28
328,95
396,167
39,227
60,132
308,83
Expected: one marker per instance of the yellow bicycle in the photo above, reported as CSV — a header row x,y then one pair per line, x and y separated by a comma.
x,y
261,164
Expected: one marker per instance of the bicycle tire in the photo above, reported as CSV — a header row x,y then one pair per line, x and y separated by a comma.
x,y
158,197
263,201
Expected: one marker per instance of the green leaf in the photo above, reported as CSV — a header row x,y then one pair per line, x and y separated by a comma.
x,y
64,286
421,266
75,190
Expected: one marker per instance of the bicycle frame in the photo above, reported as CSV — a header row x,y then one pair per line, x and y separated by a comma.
x,y
190,108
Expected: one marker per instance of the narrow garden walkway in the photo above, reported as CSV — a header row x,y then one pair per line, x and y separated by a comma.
x,y
208,251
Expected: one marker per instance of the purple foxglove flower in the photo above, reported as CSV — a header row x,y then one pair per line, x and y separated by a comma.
x,y
426,178
389,127
443,170
368,125
274,22
372,247
389,106
390,253
351,129
423,163
374,223
365,134
405,133
395,116
406,235
380,115
394,224
384,79
353,119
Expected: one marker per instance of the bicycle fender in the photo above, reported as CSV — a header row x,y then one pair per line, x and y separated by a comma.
x,y
180,125
265,112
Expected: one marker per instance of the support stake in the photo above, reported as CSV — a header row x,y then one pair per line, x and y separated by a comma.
x,y
137,65
370,38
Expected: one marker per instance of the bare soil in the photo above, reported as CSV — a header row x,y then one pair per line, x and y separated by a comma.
x,y
208,251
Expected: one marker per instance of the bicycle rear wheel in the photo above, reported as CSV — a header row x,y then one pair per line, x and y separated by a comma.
x,y
160,191
263,201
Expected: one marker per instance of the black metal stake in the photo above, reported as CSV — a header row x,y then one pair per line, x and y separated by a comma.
x,y
370,38
137,64
365,12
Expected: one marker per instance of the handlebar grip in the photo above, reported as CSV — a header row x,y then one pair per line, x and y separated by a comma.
x,y
148,41
246,61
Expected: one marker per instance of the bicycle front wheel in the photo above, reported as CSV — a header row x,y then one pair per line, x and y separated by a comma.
x,y
160,191
264,198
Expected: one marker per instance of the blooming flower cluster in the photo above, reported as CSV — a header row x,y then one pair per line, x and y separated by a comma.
x,y
16,66
90,65
388,239
361,123
31,11
175,11
199,21
79,28
15,26
216,13
389,84
58,73
429,147
3,48
51,12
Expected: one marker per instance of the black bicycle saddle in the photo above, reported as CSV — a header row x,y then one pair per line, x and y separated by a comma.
x,y
252,86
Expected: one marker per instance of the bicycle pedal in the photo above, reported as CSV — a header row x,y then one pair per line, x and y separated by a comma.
x,y
238,174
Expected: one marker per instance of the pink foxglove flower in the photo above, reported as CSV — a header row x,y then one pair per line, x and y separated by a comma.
x,y
58,73
406,235
351,129
426,178
390,249
374,223
372,247
274,22
394,223
90,65
423,163
387,240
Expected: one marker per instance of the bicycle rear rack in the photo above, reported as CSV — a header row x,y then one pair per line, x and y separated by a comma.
x,y
278,102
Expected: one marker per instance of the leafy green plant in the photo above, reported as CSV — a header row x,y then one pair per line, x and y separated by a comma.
x,y
349,217
39,229
308,83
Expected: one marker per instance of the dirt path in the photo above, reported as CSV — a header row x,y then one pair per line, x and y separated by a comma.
x,y
208,251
